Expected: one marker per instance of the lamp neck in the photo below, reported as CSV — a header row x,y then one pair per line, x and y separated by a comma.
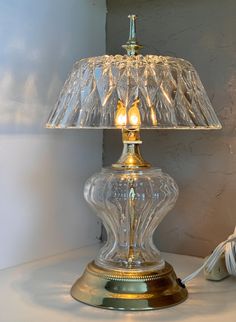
x,y
131,157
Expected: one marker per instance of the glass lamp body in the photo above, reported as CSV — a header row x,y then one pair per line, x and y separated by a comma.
x,y
131,204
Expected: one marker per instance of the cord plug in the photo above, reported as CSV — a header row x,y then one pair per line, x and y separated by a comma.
x,y
218,272
220,264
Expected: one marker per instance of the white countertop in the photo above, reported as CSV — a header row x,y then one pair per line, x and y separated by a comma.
x,y
39,292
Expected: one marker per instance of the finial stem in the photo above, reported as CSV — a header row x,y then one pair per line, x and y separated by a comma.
x,y
132,28
132,46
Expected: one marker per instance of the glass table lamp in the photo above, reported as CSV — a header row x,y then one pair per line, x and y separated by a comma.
x,y
130,93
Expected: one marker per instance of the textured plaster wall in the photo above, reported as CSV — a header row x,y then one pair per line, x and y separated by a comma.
x,y
203,163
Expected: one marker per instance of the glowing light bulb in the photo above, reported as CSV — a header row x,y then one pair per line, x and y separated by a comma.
x,y
120,119
134,118
153,116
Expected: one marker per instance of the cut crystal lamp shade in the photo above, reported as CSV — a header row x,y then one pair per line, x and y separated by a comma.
x,y
101,89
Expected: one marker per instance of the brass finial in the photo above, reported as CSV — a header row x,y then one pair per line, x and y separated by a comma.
x,y
132,46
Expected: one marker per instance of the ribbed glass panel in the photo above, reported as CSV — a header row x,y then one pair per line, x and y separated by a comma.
x,y
169,93
131,204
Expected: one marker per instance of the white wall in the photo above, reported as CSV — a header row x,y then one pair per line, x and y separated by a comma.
x,y
42,172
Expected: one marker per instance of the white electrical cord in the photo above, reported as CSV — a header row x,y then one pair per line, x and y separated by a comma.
x,y
228,247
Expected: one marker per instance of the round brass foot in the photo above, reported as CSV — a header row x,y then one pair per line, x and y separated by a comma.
x,y
113,289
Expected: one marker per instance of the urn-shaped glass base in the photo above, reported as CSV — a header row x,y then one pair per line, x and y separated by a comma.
x,y
131,204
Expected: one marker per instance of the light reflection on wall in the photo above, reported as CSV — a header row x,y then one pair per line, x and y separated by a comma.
x,y
40,41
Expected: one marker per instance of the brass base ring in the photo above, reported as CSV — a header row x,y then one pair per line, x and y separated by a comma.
x,y
119,290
